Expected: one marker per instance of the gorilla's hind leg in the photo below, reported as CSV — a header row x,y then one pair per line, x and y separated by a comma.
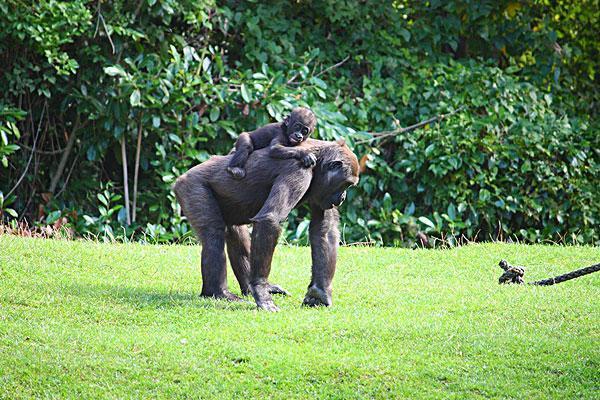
x,y
214,270
202,210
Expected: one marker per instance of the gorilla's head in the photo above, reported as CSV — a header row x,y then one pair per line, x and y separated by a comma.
x,y
336,170
299,125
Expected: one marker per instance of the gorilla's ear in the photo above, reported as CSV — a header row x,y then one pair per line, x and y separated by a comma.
x,y
286,121
341,142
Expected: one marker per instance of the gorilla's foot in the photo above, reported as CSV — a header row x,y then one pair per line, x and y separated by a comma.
x,y
225,295
267,306
276,289
237,172
262,296
316,297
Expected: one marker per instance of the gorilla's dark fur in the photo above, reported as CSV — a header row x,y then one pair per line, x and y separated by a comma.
x,y
218,206
283,139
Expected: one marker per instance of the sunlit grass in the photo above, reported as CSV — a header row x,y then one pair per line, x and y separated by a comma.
x,y
89,320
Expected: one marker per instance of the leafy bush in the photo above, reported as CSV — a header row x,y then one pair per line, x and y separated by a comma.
x,y
158,86
508,165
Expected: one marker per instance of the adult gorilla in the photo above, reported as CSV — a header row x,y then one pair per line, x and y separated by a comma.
x,y
218,206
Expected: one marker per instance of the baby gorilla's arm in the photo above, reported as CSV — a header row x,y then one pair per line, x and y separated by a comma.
x,y
278,150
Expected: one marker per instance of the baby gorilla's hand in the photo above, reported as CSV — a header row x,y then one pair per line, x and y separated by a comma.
x,y
309,160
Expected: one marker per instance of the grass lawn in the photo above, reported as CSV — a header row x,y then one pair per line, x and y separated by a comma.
x,y
89,320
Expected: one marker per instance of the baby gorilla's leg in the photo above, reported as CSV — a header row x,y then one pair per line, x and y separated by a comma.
x,y
237,172
243,148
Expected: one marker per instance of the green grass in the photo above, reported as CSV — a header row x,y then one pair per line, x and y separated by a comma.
x,y
90,320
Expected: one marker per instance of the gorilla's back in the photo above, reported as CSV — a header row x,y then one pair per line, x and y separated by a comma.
x,y
242,199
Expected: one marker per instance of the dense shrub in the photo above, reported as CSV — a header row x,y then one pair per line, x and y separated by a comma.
x,y
508,165
176,80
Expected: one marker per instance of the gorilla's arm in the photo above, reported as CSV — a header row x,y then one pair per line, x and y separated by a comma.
x,y
324,241
286,193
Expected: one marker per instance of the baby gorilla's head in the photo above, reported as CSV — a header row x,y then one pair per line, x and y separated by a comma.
x,y
299,125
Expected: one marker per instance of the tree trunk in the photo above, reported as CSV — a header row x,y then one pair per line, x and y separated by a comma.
x,y
125,180
64,157
137,168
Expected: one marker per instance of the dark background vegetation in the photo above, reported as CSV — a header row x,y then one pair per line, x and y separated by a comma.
x,y
169,82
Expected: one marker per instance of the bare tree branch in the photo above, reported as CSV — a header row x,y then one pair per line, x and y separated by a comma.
x,y
64,186
107,34
35,139
336,65
65,156
293,78
339,64
384,134
43,152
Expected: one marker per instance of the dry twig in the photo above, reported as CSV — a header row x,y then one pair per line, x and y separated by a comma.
x,y
384,134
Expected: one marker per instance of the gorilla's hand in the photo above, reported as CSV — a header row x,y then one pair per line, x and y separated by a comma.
x,y
309,160
317,297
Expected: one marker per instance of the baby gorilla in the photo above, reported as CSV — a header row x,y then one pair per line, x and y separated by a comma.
x,y
280,137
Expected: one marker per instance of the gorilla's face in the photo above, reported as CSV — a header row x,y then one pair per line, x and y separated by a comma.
x,y
299,125
332,177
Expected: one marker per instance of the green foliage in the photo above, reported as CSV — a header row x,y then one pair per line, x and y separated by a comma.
x,y
4,209
186,77
9,132
507,165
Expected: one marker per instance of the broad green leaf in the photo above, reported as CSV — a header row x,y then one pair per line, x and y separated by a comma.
x,y
122,216
175,138
214,114
175,53
427,222
134,99
302,228
405,33
114,70
452,211
91,153
102,199
53,217
245,93
319,82
205,64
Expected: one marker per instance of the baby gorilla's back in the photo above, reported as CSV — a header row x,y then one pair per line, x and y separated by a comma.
x,y
280,137
248,142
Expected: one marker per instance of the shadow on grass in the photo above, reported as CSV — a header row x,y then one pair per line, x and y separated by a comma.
x,y
147,297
